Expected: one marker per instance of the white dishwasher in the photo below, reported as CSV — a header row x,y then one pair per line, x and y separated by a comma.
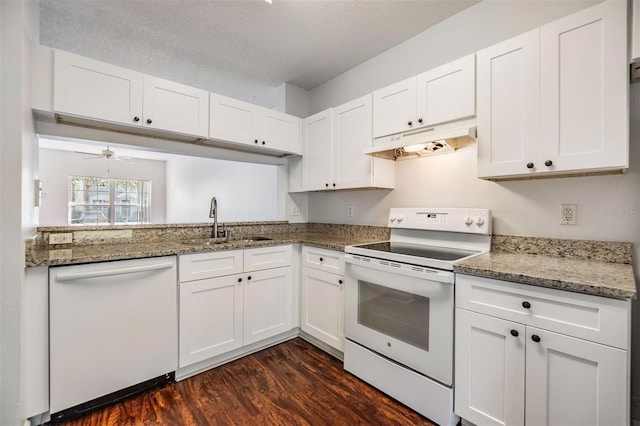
x,y
113,327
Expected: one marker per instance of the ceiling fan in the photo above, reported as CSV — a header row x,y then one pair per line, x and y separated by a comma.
x,y
107,154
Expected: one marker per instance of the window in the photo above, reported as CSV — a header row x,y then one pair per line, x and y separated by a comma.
x,y
95,201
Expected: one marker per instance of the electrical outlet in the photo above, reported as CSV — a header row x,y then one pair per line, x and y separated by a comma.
x,y
295,211
349,210
568,214
66,238
60,254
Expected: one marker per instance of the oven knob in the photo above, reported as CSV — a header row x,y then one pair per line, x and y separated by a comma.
x,y
400,218
392,218
479,221
468,220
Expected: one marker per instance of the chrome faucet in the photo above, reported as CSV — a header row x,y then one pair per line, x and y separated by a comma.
x,y
213,213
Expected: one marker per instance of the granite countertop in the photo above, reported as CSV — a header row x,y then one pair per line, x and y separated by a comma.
x,y
74,253
596,274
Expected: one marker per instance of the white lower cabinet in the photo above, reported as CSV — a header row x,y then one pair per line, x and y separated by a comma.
x,y
322,304
210,318
512,373
267,304
222,310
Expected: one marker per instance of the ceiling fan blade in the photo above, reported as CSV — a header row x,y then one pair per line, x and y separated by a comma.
x,y
97,157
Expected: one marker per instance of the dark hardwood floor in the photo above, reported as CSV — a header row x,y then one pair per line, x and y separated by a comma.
x,y
293,383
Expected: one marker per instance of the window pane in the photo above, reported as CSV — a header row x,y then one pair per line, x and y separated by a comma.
x,y
90,200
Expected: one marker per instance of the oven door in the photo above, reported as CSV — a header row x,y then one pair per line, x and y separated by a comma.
x,y
404,315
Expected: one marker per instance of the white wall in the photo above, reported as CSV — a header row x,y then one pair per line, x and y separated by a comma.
x,y
479,26
245,192
18,168
528,208
56,166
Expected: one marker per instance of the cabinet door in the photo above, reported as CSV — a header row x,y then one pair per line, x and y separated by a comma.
x,y
394,108
447,93
256,259
199,266
231,120
323,259
573,381
584,81
210,318
352,135
279,131
322,307
490,369
93,89
508,107
175,107
317,142
268,304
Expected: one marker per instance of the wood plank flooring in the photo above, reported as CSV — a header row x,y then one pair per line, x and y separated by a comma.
x,y
293,383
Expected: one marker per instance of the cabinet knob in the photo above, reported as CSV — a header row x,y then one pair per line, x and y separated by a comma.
x,y
326,184
249,278
334,185
410,123
526,305
420,120
136,119
263,142
535,338
239,280
340,282
149,121
548,163
529,165
321,259
514,333
256,141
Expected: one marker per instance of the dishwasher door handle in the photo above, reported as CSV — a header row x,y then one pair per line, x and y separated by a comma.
x,y
112,272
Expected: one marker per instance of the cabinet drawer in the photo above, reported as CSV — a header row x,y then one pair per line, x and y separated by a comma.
x,y
323,259
256,259
210,265
598,319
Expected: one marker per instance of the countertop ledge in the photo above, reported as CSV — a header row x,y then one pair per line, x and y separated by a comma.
x,y
75,254
597,278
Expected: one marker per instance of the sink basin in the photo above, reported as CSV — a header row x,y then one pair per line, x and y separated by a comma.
x,y
256,238
205,242
216,241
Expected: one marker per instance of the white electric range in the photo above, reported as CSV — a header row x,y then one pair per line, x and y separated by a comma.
x,y
399,304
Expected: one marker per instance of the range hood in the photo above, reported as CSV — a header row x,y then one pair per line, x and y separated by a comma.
x,y
425,141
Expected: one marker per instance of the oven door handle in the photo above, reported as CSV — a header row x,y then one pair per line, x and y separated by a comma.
x,y
422,272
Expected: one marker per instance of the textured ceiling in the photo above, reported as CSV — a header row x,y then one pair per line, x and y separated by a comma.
x,y
304,42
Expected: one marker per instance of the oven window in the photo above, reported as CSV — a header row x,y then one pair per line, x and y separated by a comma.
x,y
395,313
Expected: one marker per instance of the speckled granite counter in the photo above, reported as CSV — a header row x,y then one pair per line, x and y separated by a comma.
x,y
117,244
591,267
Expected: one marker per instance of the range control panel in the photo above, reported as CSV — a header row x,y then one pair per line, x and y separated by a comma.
x,y
474,221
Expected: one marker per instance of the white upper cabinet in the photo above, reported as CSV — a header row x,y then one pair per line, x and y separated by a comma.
x,y
508,105
98,91
555,100
317,146
583,89
93,89
447,93
443,94
231,119
175,107
240,122
278,130
394,108
352,135
333,144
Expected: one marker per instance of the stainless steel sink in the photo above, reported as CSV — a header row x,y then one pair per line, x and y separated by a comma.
x,y
256,238
217,241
